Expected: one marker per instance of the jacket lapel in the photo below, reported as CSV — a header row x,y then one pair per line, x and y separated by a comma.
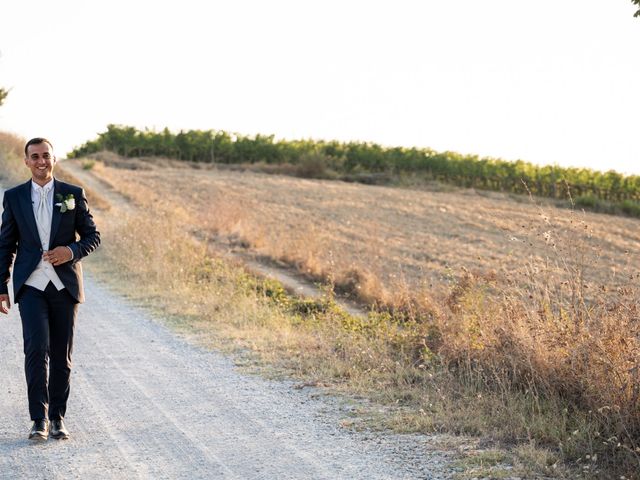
x,y
56,216
27,209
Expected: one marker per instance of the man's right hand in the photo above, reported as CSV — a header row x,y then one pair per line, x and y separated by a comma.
x,y
5,303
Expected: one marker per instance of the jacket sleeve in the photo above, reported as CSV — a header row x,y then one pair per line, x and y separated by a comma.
x,y
8,244
86,229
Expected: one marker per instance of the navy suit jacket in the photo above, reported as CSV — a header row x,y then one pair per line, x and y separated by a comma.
x,y
19,236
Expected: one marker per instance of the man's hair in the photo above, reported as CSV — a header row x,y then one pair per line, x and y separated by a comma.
x,y
35,141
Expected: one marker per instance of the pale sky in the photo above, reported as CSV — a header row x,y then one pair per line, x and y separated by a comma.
x,y
551,81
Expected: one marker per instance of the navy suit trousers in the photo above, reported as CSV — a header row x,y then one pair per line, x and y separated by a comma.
x,y
48,320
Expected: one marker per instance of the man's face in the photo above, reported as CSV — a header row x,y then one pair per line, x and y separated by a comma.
x,y
40,160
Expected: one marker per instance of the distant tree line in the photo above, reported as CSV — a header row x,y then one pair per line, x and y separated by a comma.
x,y
353,158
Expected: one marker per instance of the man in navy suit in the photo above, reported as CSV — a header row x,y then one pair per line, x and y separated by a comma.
x,y
47,225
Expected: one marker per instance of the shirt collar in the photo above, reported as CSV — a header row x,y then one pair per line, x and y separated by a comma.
x,y
47,186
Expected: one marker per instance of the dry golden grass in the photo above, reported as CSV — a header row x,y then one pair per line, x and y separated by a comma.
x,y
378,241
12,143
508,320
11,154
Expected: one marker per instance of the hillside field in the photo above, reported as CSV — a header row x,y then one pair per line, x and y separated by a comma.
x,y
381,242
490,314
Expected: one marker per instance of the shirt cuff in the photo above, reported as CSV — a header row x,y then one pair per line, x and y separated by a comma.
x,y
72,255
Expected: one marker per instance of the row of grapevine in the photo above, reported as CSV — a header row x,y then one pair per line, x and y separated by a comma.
x,y
361,157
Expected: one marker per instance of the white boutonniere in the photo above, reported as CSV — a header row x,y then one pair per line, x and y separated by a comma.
x,y
65,203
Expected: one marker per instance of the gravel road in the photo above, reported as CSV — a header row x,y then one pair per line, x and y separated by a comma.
x,y
146,403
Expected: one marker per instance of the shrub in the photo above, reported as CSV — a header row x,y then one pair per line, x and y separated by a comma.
x,y
586,201
314,165
630,208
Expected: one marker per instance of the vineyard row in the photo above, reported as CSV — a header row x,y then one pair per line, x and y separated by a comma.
x,y
585,186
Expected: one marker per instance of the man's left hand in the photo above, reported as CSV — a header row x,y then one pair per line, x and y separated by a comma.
x,y
57,256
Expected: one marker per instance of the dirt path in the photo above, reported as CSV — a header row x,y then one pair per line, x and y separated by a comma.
x,y
146,404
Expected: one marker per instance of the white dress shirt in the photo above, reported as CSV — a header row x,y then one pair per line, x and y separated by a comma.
x,y
44,272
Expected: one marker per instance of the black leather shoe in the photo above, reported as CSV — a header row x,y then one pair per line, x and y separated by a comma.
x,y
58,430
39,431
